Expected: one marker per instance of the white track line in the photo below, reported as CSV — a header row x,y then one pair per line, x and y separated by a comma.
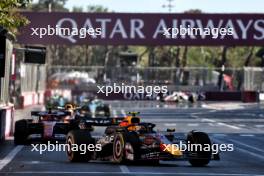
x,y
219,135
221,123
124,169
170,124
133,173
10,156
207,120
259,126
247,135
251,153
192,124
194,116
230,126
246,145
163,113
255,155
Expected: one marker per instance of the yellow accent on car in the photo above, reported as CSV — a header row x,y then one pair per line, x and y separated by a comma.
x,y
172,149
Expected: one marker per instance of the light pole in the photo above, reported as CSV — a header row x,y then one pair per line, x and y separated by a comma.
x,y
169,5
50,2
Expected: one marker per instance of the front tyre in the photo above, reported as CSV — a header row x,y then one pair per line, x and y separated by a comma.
x,y
199,158
21,132
75,139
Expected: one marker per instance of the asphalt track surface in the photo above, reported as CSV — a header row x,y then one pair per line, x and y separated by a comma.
x,y
239,124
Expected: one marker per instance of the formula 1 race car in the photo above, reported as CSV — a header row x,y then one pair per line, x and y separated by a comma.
x,y
129,140
95,108
179,97
44,125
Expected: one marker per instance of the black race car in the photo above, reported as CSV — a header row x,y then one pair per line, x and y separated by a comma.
x,y
94,108
129,140
44,125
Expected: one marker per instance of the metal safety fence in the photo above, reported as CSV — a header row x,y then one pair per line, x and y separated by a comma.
x,y
227,79
32,77
254,79
5,81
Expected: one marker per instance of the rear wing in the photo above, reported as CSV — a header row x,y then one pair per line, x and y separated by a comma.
x,y
103,121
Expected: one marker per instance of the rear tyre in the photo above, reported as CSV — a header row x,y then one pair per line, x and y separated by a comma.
x,y
199,158
21,132
75,139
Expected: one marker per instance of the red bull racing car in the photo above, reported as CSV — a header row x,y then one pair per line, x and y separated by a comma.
x,y
130,140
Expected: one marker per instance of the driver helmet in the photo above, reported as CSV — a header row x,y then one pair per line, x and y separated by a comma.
x,y
131,121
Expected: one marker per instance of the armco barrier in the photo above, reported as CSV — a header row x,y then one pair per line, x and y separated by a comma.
x,y
2,124
31,98
244,96
223,96
250,96
118,96
6,121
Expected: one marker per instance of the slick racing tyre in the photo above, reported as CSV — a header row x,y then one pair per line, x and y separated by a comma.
x,y
126,148
199,158
21,132
75,139
118,148
132,147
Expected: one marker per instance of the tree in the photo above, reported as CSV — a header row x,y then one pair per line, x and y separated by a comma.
x,y
50,5
9,16
77,9
96,9
80,55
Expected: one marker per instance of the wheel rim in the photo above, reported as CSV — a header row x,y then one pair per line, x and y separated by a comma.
x,y
129,151
118,148
69,151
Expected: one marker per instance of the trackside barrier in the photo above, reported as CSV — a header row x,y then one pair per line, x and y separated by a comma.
x,y
31,98
6,122
32,84
2,124
41,97
244,96
223,96
250,96
261,97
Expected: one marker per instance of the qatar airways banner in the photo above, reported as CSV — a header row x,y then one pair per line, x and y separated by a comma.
x,y
143,29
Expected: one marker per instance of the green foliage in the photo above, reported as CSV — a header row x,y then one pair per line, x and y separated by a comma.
x,y
90,9
46,5
96,8
167,56
9,17
77,9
